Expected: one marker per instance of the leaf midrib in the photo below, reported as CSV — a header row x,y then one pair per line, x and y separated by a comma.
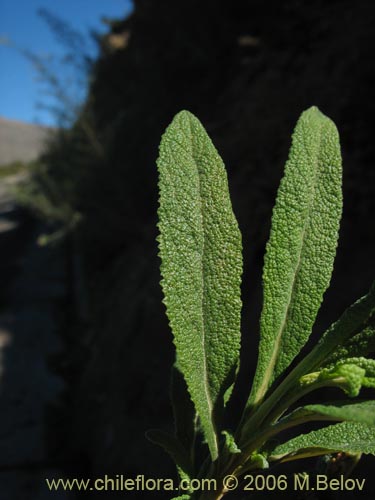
x,y
204,340
268,374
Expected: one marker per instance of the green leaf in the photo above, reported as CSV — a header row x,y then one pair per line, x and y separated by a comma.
x,y
174,449
352,330
258,461
361,344
184,414
351,333
230,443
302,246
368,365
201,253
350,437
347,376
350,374
362,412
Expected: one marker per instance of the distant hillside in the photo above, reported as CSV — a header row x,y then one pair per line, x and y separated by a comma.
x,y
20,141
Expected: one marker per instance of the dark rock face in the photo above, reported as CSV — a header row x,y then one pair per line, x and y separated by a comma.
x,y
247,70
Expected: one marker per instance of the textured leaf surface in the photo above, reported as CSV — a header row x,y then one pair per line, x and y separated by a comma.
x,y
362,412
361,344
347,376
230,443
183,410
367,365
302,245
346,436
352,334
201,253
258,461
350,374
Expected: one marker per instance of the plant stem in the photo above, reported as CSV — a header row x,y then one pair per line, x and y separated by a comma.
x,y
282,397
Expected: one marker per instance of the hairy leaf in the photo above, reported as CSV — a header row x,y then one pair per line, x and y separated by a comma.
x,y
347,436
368,365
362,412
347,376
201,253
230,443
352,330
258,461
361,344
302,246
350,374
183,410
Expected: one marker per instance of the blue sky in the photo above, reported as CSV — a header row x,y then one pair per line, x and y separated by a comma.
x,y
22,28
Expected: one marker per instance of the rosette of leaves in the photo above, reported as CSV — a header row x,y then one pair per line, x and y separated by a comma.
x,y
201,267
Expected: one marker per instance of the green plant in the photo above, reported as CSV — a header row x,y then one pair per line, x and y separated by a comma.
x,y
201,266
